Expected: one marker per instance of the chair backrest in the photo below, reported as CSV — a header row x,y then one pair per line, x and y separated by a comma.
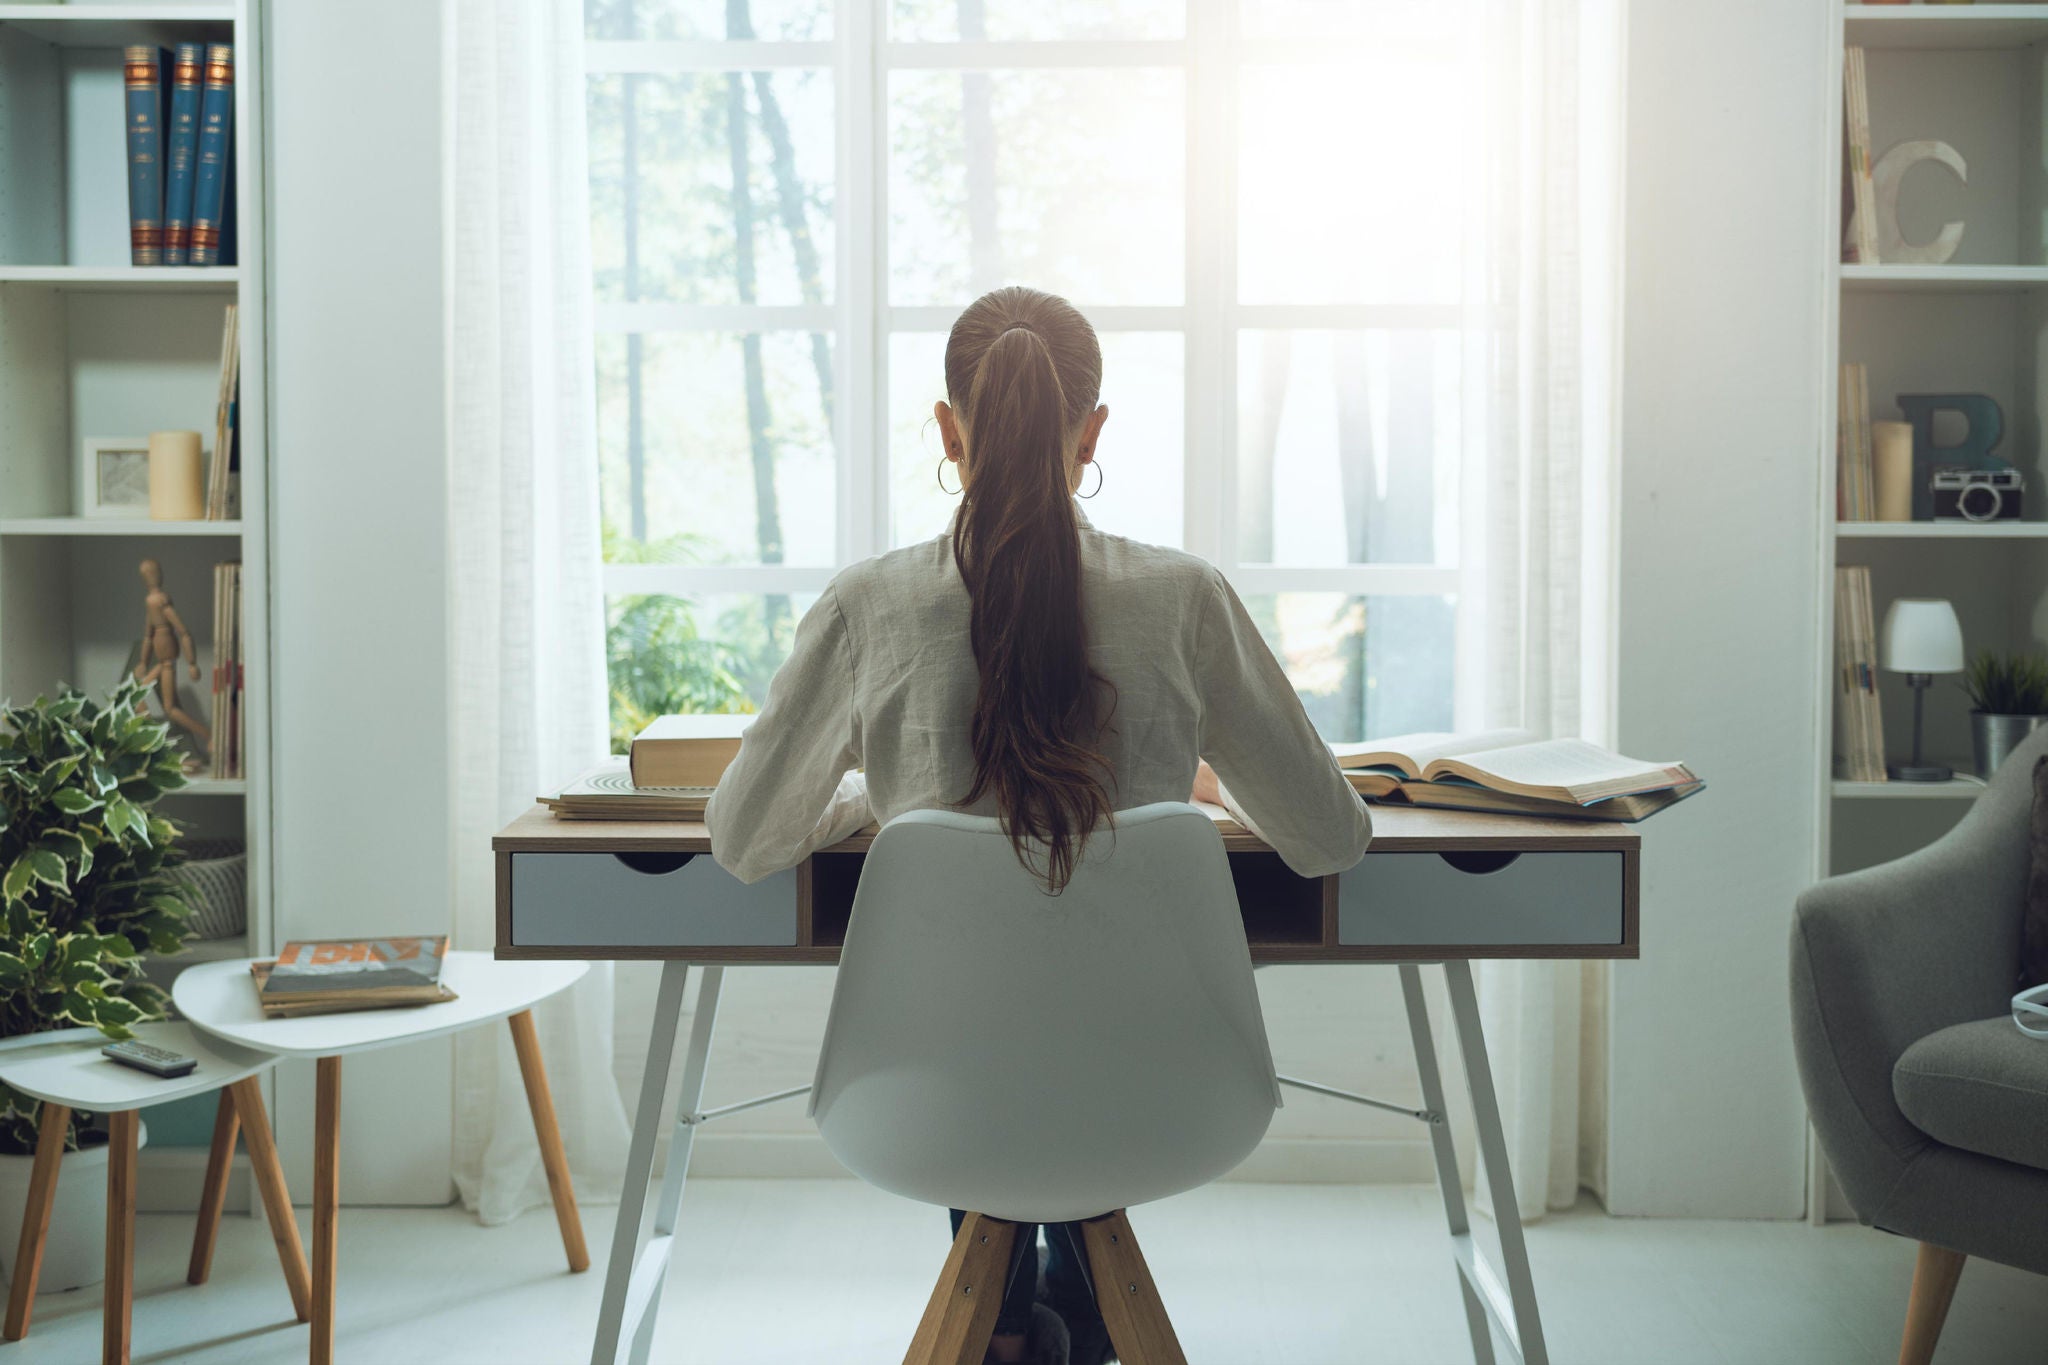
x,y
1045,1058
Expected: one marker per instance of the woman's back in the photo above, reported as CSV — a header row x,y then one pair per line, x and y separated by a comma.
x,y
1187,676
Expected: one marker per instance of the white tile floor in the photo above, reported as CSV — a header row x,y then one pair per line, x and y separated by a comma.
x,y
830,1271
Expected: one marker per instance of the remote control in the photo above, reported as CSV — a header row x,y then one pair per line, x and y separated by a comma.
x,y
155,1060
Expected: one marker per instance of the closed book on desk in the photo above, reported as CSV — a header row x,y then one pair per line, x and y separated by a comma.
x,y
211,189
181,150
686,751
607,792
319,976
146,104
1566,771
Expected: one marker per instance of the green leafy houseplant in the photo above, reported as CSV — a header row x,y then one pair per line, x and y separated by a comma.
x,y
2007,684
85,873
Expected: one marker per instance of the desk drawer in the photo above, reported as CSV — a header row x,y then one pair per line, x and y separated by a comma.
x,y
1537,898
569,899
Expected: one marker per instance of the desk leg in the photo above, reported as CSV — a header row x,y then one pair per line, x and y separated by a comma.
x,y
35,1219
661,1049
326,1202
1449,1183
1493,1157
247,1097
679,1143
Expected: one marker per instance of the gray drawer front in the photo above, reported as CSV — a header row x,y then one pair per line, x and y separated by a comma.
x,y
1539,898
576,899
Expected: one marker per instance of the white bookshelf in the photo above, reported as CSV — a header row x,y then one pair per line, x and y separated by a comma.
x,y
1969,75
91,345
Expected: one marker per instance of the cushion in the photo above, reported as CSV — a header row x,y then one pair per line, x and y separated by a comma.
x,y
1981,1086
2034,922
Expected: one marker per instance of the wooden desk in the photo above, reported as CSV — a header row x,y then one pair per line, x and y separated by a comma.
x,y
1437,887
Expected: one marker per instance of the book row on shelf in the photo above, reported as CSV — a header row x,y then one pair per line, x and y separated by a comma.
x,y
1859,237
180,116
228,676
1859,725
220,490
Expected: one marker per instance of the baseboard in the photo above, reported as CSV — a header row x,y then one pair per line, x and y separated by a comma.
x,y
1300,1161
169,1180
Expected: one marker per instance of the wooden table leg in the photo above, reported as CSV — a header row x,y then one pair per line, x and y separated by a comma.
x,y
526,1042
35,1219
118,1309
326,1203
247,1097
213,1195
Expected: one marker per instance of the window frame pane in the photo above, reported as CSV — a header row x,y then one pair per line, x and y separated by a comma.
x,y
862,321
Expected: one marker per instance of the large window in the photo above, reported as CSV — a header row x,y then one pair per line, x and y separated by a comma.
x,y
1265,206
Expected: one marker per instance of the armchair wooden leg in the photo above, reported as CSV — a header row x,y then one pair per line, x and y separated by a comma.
x,y
247,1097
35,1219
1934,1283
526,1042
213,1195
961,1316
1130,1303
118,1309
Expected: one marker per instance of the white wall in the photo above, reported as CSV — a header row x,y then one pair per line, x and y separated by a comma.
x,y
358,543
1728,181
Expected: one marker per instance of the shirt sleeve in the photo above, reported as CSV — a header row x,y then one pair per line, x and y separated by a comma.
x,y
1277,777
789,792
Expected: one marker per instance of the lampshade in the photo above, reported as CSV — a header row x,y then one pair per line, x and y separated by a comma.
x,y
1922,635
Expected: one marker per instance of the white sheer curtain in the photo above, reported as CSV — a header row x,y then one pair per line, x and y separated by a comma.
x,y
527,703
1542,510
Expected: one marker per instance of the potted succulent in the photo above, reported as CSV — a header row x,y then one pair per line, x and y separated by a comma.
x,y
85,890
2008,700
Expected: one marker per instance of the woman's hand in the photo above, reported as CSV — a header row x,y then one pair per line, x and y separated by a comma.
x,y
1206,787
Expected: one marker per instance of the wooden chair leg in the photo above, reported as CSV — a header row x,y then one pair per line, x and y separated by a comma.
x,y
213,1194
326,1202
961,1316
526,1042
118,1309
246,1097
35,1219
1130,1303
1934,1283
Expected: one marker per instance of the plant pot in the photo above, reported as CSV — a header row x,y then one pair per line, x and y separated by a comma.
x,y
75,1252
1993,737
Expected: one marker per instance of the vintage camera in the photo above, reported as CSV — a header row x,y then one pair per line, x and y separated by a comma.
x,y
1977,494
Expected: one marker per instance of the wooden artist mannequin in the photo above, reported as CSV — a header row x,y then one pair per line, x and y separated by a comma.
x,y
164,640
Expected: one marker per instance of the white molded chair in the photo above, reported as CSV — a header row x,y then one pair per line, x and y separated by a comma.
x,y
1044,1059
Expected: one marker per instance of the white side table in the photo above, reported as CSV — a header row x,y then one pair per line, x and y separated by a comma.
x,y
73,1075
220,998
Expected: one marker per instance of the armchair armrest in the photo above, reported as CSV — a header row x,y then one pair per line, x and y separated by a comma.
x,y
1885,956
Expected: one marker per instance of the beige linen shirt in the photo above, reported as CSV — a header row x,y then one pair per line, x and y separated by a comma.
x,y
882,677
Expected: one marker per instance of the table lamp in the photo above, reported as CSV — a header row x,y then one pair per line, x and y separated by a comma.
x,y
1922,638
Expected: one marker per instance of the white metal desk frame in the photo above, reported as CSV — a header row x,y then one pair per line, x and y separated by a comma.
x,y
632,1286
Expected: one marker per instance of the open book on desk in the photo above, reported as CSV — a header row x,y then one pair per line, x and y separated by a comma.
x,y
1513,771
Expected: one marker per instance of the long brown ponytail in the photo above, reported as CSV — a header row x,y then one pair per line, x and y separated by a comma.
x,y
1023,370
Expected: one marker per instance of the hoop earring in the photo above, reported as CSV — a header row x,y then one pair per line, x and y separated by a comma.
x,y
1096,465
940,475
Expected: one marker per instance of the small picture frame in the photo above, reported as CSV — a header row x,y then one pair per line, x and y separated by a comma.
x,y
113,477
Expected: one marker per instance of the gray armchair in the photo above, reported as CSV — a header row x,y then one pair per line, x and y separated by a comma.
x,y
1931,1106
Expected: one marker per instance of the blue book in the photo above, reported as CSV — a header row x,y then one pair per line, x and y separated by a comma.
x,y
182,151
216,138
143,69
